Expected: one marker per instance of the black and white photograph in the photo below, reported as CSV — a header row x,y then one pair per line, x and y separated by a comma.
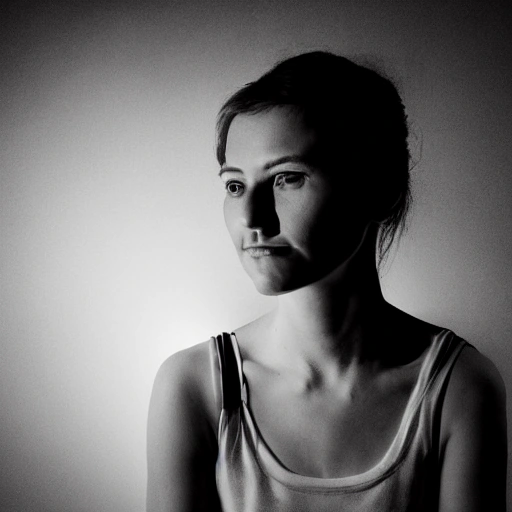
x,y
255,256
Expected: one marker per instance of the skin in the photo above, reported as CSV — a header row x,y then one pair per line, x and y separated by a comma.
x,y
332,356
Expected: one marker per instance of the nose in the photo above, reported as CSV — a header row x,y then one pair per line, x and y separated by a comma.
x,y
259,211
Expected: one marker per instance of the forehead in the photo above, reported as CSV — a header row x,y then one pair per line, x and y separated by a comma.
x,y
278,132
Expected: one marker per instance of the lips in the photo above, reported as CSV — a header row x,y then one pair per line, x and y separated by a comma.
x,y
260,251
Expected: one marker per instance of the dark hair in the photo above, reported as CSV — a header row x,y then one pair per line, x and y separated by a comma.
x,y
354,110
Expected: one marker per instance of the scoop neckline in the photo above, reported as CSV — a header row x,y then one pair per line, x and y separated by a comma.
x,y
391,460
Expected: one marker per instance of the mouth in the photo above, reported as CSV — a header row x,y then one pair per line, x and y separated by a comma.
x,y
260,251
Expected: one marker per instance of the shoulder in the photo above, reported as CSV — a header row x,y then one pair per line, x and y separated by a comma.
x,y
188,377
474,436
474,407
185,366
181,434
475,384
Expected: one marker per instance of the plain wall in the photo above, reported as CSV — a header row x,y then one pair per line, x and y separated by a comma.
x,y
113,250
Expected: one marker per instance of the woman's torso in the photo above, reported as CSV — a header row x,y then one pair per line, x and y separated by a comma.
x,y
319,438
327,421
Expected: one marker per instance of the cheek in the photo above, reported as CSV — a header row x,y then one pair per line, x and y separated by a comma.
x,y
323,227
302,222
230,218
319,228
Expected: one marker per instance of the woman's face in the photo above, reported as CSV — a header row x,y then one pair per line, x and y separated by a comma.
x,y
292,219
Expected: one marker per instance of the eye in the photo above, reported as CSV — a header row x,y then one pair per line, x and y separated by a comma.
x,y
289,179
234,188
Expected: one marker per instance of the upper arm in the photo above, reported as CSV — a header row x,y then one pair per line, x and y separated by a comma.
x,y
474,463
181,439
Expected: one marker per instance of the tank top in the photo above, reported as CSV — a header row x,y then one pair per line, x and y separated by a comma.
x,y
251,479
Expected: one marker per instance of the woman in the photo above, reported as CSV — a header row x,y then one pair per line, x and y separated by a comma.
x,y
335,400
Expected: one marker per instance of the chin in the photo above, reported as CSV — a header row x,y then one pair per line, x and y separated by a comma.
x,y
266,286
268,292
278,278
277,286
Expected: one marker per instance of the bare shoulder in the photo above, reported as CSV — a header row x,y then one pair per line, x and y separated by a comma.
x,y
474,437
475,398
191,374
182,435
475,381
183,360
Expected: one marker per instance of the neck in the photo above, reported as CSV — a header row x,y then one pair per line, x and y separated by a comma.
x,y
333,319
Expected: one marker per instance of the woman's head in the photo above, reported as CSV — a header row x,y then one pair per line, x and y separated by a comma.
x,y
360,125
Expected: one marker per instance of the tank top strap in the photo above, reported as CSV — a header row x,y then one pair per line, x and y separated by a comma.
x,y
440,360
230,366
427,398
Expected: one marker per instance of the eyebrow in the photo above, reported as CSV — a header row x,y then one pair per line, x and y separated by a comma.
x,y
273,163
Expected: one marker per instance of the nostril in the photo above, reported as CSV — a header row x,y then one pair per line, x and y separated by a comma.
x,y
256,235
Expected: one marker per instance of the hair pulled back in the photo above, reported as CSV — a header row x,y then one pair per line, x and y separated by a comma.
x,y
356,112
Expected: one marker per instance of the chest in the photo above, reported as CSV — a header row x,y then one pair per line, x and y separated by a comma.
x,y
327,434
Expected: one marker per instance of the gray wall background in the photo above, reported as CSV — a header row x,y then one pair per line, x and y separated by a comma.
x,y
113,250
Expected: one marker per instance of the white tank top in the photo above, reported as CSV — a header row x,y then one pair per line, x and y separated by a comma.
x,y
251,479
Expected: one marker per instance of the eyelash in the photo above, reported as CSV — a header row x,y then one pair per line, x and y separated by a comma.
x,y
300,177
